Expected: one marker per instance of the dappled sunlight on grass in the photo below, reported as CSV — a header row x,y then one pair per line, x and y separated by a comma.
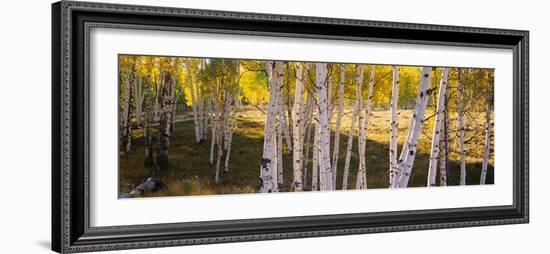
x,y
190,172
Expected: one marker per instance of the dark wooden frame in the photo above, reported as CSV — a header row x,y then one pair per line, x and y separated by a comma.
x,y
70,198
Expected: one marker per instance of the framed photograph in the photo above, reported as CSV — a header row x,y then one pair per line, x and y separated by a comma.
x,y
181,126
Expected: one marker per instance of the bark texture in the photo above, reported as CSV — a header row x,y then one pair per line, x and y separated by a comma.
x,y
439,121
165,122
325,182
359,72
268,183
394,125
461,129
406,159
297,130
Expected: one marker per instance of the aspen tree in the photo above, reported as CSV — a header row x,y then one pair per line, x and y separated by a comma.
x,y
461,129
487,150
361,182
359,72
335,152
267,180
325,170
148,120
408,153
165,118
394,124
297,130
439,121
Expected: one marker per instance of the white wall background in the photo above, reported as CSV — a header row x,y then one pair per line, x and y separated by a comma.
x,y
25,125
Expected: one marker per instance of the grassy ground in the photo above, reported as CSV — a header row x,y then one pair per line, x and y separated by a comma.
x,y
190,173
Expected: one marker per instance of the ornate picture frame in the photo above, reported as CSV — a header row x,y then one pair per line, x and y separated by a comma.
x,y
71,229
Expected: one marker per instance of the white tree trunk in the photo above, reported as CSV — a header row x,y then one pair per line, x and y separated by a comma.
x,y
308,112
461,129
443,146
220,132
439,120
485,164
297,130
214,114
131,101
231,127
219,145
193,100
126,104
394,124
232,120
138,102
207,112
226,120
286,131
359,72
165,122
324,139
156,115
268,181
148,120
279,143
444,142
406,159
200,105
335,152
315,159
361,182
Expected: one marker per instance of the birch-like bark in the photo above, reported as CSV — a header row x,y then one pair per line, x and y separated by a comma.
x,y
461,129
126,107
315,159
200,105
173,95
394,124
231,127
439,121
208,117
335,152
406,159
193,100
148,119
220,132
131,102
444,143
485,164
279,136
158,81
284,120
232,120
177,92
361,180
289,106
138,102
226,121
325,170
359,72
207,107
297,129
307,140
279,144
214,102
268,182
164,126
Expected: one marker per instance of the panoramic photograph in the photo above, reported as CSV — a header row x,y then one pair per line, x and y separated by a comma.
x,y
213,126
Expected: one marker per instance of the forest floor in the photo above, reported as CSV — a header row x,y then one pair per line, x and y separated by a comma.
x,y
190,172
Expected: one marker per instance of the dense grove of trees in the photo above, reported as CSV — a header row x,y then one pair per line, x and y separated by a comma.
x,y
305,105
